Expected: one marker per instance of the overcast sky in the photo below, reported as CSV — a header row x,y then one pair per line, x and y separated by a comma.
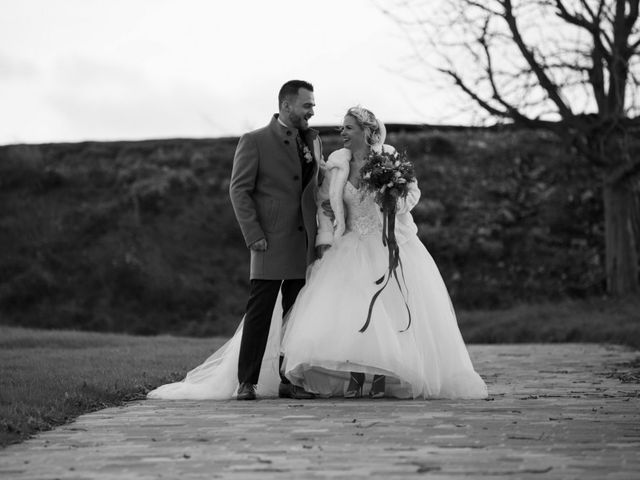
x,y
73,70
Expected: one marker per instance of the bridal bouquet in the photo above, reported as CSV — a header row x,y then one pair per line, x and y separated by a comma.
x,y
387,176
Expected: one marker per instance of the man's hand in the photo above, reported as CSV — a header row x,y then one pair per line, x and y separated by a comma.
x,y
320,249
259,245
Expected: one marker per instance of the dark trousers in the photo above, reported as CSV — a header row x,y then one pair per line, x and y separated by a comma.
x,y
262,298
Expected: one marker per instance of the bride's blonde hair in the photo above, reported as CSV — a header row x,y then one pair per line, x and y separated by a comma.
x,y
374,130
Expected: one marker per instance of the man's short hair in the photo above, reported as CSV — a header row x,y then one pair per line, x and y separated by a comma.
x,y
290,89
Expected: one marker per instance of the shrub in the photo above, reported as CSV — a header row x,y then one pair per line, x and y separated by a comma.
x,y
507,215
20,166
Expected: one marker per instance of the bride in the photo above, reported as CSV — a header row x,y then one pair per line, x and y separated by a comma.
x,y
325,351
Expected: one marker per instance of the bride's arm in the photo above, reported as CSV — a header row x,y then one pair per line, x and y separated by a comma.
x,y
338,163
324,213
406,204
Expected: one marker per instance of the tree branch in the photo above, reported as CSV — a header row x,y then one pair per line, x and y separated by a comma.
x,y
630,20
474,96
574,19
491,74
482,6
510,112
587,7
596,76
545,81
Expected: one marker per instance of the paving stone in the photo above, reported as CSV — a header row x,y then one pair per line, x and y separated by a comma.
x,y
555,411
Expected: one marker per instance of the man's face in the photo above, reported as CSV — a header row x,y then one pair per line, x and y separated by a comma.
x,y
300,109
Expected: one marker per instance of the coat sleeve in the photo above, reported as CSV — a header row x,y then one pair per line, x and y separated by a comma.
x,y
243,180
338,163
406,204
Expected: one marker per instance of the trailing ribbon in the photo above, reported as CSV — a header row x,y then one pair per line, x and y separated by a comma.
x,y
389,240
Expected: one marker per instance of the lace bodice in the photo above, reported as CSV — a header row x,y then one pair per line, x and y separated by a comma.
x,y
361,211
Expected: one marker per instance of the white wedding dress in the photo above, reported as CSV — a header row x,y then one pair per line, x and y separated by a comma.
x,y
322,342
217,377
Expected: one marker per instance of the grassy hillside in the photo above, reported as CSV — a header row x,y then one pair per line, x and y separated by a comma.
x,y
140,237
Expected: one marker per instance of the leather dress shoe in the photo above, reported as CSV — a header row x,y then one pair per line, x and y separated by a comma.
x,y
246,391
288,390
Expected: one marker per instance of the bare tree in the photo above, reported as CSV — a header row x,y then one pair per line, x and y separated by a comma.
x,y
570,66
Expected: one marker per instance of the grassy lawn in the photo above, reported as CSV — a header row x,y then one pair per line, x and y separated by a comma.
x,y
594,320
49,377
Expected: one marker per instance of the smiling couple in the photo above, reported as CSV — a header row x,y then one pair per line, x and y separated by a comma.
x,y
316,246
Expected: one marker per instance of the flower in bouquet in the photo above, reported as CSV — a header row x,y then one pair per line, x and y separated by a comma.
x,y
387,176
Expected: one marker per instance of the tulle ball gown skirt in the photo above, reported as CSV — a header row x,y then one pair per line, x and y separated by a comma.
x,y
322,342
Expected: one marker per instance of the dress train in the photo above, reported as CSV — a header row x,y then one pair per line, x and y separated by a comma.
x,y
217,377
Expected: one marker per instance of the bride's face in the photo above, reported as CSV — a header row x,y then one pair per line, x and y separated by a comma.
x,y
352,134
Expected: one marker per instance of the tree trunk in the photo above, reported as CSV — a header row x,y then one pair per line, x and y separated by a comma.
x,y
620,238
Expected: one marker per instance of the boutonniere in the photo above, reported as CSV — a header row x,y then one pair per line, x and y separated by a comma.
x,y
307,154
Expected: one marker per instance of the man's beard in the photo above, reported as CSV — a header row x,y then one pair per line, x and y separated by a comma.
x,y
298,121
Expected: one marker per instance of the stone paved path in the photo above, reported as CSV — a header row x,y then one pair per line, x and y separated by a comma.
x,y
555,412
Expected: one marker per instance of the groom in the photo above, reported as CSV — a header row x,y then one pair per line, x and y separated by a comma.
x,y
273,187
